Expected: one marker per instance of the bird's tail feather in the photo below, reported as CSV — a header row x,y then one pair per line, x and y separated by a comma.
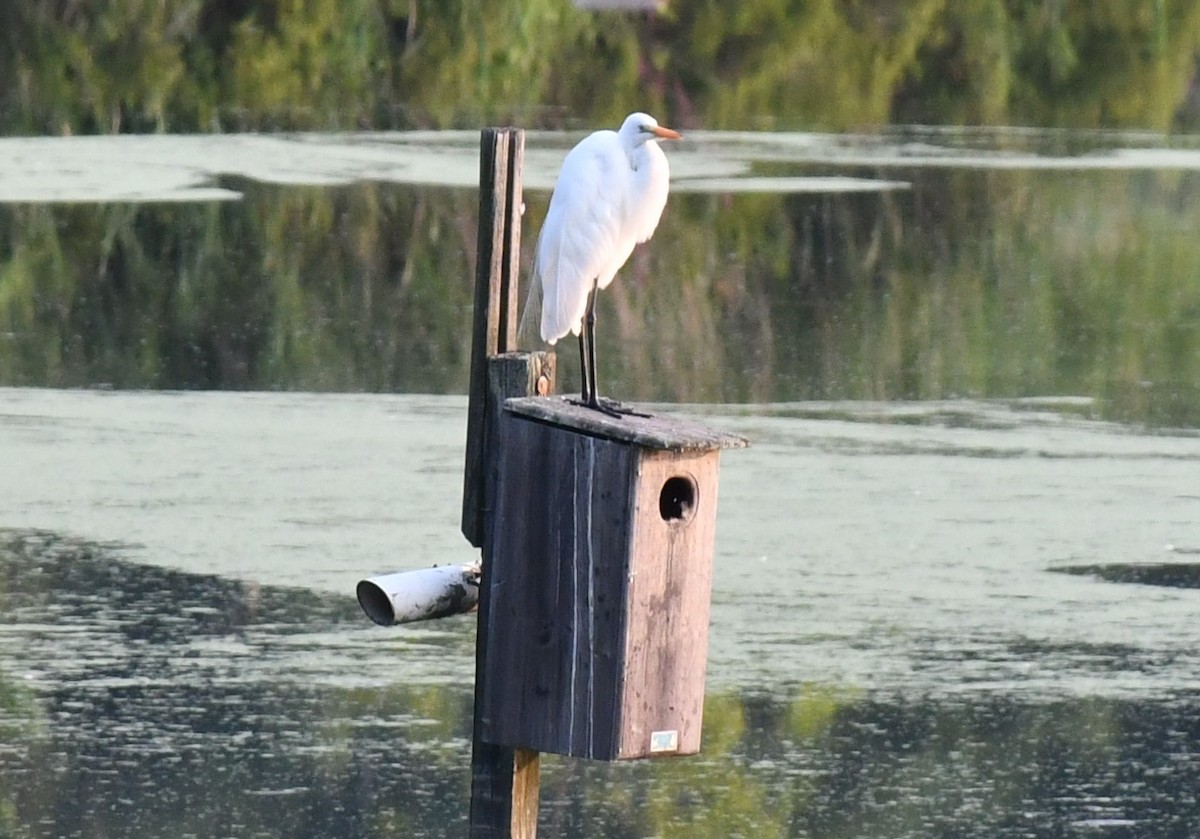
x,y
529,331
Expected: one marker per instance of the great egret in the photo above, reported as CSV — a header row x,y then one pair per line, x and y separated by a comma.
x,y
608,197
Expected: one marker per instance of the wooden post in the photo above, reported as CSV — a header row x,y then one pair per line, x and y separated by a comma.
x,y
504,780
494,329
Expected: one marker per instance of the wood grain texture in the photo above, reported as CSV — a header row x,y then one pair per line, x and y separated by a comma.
x,y
504,804
654,432
561,524
504,783
510,258
509,373
494,325
598,628
492,768
666,641
526,783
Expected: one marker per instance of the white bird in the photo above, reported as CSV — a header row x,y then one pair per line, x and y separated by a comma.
x,y
608,197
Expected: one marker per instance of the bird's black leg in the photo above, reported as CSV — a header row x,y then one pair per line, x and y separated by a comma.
x,y
591,395
587,360
583,366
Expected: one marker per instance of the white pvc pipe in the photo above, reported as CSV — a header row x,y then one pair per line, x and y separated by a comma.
x,y
420,595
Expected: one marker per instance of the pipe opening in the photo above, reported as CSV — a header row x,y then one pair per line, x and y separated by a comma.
x,y
376,603
677,501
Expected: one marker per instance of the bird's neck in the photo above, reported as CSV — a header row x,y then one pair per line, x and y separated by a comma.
x,y
640,155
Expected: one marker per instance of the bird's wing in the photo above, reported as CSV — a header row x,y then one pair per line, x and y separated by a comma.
x,y
583,230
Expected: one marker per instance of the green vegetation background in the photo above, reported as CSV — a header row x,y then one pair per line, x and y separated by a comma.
x,y
202,65
970,284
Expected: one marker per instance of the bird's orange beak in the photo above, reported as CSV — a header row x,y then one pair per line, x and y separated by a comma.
x,y
665,133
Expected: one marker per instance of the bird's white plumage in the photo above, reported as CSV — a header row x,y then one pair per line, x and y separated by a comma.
x,y
608,197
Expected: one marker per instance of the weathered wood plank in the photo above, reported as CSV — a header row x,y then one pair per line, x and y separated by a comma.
x,y
504,782
655,431
492,768
495,316
509,373
510,261
526,783
562,519
666,641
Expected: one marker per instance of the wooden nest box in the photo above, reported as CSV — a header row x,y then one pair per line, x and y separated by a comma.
x,y
599,593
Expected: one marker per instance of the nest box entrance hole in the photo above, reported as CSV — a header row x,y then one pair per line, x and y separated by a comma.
x,y
677,500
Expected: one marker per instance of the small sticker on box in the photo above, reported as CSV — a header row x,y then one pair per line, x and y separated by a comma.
x,y
664,741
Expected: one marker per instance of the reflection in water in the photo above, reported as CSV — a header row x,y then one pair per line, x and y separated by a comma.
x,y
137,701
176,704
993,274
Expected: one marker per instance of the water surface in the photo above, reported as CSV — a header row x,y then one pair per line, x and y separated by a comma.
x,y
911,263
894,649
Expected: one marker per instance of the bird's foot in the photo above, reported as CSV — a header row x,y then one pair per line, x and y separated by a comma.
x,y
620,408
597,405
604,405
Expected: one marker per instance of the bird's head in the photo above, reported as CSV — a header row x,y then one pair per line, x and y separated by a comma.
x,y
640,128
